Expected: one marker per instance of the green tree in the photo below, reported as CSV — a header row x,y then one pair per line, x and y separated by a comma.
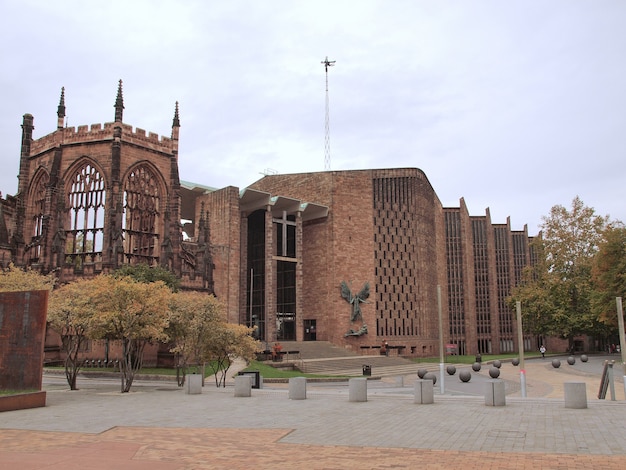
x,y
556,293
609,275
145,273
535,292
135,313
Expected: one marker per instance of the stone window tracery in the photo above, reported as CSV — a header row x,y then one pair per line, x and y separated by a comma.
x,y
86,203
39,206
141,216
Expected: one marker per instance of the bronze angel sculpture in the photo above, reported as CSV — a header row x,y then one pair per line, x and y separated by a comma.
x,y
355,300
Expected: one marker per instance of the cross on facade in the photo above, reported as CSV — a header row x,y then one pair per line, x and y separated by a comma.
x,y
285,223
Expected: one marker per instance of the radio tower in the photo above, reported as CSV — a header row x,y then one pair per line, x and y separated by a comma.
x,y
327,63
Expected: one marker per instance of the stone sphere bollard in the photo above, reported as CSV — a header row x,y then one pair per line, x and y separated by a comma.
x,y
571,360
515,361
497,364
421,373
494,372
451,370
465,375
431,376
476,366
584,358
556,363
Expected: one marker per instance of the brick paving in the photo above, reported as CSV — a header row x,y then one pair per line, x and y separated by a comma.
x,y
158,426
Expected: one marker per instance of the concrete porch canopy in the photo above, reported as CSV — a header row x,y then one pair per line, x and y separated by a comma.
x,y
251,200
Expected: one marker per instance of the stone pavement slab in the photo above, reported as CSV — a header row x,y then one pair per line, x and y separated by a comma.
x,y
158,426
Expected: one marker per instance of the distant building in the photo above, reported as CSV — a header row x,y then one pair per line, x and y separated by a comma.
x,y
289,254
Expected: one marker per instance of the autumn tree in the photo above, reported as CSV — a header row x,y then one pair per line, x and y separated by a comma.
x,y
557,294
72,311
194,318
135,313
14,279
609,275
229,341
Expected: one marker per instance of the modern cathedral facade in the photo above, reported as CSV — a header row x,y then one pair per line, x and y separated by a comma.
x,y
356,258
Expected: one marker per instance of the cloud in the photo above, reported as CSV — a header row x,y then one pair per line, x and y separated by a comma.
x,y
516,106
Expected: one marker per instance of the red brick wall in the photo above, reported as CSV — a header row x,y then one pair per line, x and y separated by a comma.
x,y
22,337
341,248
222,207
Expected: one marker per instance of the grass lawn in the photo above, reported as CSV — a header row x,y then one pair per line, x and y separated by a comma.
x,y
16,392
470,359
269,372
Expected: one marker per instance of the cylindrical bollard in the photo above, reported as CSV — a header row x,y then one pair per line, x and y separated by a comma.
x,y
243,385
357,389
297,388
194,384
423,392
575,395
494,393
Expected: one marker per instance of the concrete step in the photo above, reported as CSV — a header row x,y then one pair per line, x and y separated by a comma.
x,y
313,349
384,371
338,366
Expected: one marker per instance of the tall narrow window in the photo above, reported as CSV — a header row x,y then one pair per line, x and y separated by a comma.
x,y
86,201
141,216
39,209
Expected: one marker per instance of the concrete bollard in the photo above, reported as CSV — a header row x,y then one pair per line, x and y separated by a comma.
x,y
423,392
297,388
357,389
400,381
494,393
243,385
575,395
194,384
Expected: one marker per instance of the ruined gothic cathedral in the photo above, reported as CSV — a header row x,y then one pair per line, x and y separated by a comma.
x,y
351,257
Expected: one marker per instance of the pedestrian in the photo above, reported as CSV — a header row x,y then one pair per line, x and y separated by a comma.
x,y
542,350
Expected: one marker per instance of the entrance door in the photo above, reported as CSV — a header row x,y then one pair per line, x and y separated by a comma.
x,y
286,326
310,330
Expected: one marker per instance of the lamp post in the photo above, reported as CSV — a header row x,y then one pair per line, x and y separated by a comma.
x,y
520,341
442,387
622,342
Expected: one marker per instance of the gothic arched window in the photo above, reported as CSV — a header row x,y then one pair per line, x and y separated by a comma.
x,y
38,196
86,200
141,216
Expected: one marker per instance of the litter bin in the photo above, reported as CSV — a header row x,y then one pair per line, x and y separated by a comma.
x,y
367,370
256,377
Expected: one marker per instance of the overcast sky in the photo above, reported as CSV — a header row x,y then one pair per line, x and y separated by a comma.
x,y
514,105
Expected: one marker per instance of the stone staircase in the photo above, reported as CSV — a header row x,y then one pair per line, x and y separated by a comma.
x,y
324,358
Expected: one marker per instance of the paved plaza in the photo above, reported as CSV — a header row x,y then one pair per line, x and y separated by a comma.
x,y
159,426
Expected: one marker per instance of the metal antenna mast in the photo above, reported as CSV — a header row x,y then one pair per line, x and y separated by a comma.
x,y
327,63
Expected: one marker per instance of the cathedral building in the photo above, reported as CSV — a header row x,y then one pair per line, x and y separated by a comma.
x,y
357,258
